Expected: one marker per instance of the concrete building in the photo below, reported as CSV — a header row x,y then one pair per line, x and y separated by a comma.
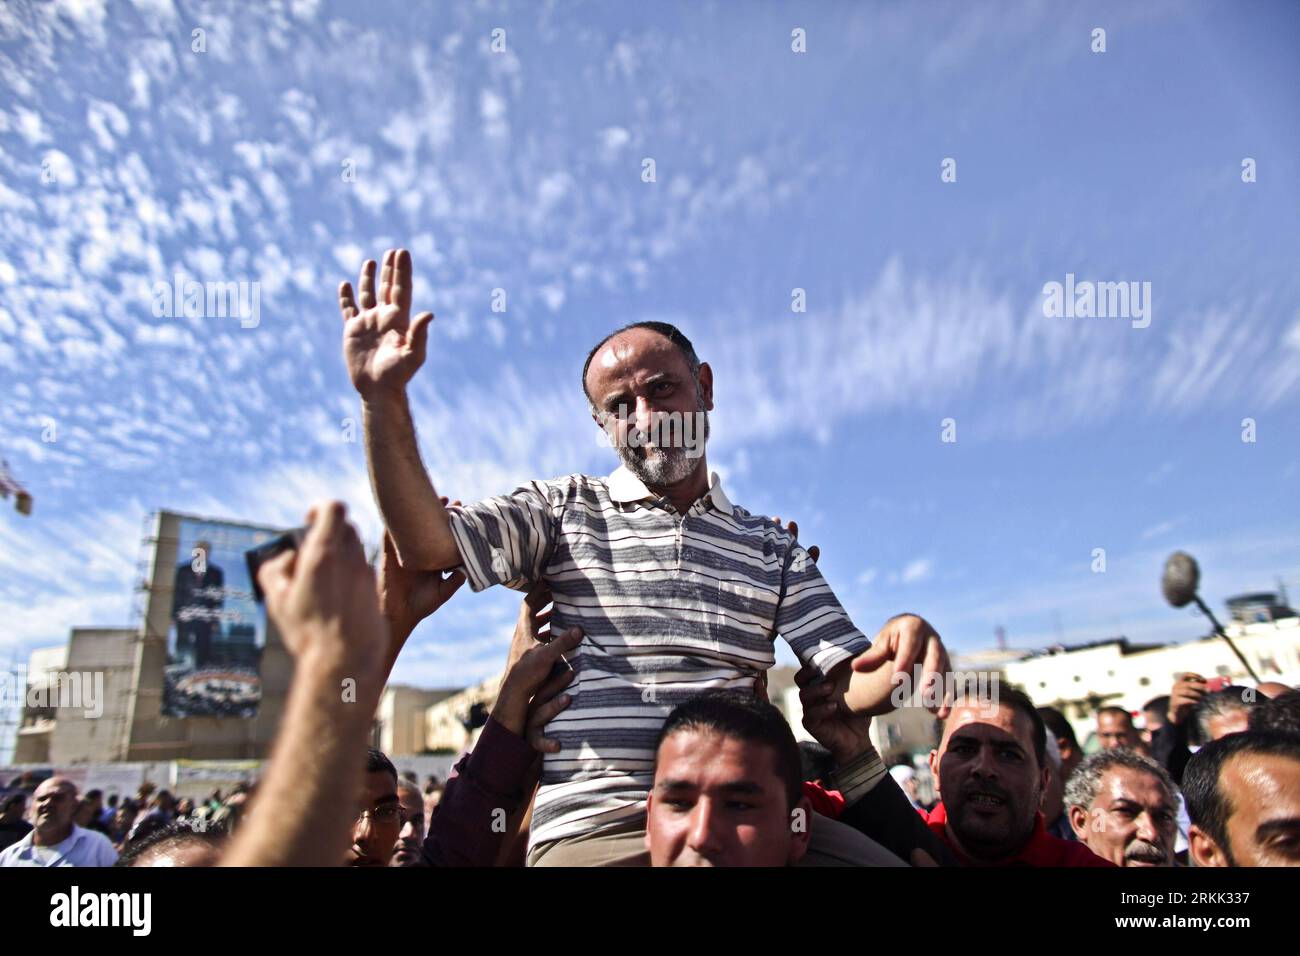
x,y
1079,680
401,723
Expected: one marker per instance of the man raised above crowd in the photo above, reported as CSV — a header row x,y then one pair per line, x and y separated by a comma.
x,y
676,589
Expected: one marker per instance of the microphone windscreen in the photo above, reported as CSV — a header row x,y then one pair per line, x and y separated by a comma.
x,y
1181,579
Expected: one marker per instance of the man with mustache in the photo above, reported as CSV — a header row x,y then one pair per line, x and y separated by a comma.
x,y
1124,807
677,590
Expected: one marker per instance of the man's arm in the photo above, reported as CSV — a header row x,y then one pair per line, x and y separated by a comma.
x,y
1169,743
384,348
322,599
480,807
863,673
875,805
407,597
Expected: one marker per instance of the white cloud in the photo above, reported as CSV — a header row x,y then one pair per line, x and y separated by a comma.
x,y
918,570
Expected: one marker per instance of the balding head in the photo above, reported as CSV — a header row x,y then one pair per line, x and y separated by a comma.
x,y
651,395
54,807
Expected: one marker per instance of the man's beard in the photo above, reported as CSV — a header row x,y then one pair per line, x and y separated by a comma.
x,y
665,467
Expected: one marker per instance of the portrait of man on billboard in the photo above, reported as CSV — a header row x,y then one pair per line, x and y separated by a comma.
x,y
196,605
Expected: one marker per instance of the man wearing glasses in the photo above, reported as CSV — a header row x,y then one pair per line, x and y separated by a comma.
x,y
379,818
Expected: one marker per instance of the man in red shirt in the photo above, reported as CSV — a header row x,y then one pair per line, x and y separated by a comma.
x,y
990,771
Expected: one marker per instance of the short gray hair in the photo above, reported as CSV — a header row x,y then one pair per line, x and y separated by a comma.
x,y
1081,789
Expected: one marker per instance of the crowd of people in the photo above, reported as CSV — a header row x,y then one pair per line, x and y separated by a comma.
x,y
631,727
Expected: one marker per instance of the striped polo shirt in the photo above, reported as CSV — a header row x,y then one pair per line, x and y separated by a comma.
x,y
669,604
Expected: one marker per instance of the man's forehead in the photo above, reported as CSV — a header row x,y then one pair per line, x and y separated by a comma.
x,y
985,720
380,786
705,758
1129,783
1269,780
629,353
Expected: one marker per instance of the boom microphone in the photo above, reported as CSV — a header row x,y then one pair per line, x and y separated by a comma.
x,y
1181,579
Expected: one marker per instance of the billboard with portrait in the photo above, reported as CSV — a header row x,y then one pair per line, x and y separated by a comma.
x,y
217,630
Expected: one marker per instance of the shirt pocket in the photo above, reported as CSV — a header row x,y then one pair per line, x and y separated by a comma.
x,y
743,617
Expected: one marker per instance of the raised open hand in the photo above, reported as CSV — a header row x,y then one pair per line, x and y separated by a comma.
x,y
382,345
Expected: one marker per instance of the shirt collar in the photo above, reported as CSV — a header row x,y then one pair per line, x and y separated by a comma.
x,y
625,487
29,840
1039,850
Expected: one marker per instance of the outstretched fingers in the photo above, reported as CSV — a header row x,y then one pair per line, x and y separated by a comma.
x,y
367,284
386,278
347,301
400,291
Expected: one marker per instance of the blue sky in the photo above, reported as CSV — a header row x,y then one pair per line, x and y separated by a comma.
x,y
775,170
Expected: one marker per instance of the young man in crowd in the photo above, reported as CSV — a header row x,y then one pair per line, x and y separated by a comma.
x,y
55,839
677,590
728,786
1124,807
1243,795
379,815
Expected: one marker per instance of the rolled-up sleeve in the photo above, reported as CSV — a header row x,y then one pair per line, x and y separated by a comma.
x,y
507,539
811,618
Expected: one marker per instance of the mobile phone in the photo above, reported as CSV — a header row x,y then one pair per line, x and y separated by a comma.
x,y
1216,684
256,557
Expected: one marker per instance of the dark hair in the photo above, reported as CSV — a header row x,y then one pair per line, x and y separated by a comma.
x,y
1207,805
1157,705
377,761
1112,709
668,331
174,835
1219,704
815,761
1004,695
94,794
741,716
1279,715
1058,725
